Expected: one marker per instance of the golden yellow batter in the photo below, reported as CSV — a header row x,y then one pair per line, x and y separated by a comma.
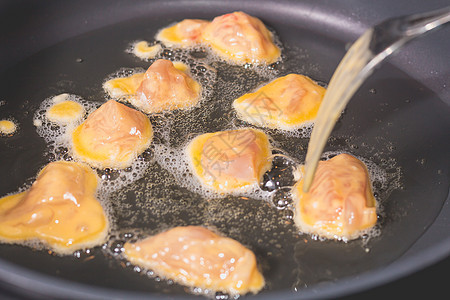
x,y
144,51
286,103
65,112
124,86
185,33
7,127
241,38
230,160
112,136
60,210
340,202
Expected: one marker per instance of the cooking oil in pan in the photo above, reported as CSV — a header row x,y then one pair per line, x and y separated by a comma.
x,y
153,194
159,190
169,195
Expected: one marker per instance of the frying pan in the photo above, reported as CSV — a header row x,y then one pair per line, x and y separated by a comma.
x,y
400,115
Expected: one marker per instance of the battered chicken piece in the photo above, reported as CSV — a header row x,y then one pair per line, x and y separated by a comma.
x,y
164,87
184,34
195,256
126,87
230,160
340,202
112,136
60,210
241,38
285,103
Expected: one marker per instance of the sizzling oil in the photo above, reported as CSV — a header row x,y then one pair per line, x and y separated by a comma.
x,y
147,198
163,191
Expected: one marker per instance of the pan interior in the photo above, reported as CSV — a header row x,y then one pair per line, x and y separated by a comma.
x,y
393,121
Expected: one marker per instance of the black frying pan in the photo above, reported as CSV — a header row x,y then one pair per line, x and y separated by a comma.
x,y
401,113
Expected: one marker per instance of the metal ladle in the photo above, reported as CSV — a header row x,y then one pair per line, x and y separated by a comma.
x,y
364,55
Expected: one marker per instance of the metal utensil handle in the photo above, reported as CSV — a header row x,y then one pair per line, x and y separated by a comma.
x,y
364,55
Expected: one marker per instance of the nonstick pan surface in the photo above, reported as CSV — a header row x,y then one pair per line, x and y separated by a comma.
x,y
399,118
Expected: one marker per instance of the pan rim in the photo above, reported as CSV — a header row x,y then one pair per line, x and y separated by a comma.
x,y
37,284
397,269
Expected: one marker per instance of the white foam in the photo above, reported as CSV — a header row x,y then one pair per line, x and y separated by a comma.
x,y
118,179
53,132
60,98
302,131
